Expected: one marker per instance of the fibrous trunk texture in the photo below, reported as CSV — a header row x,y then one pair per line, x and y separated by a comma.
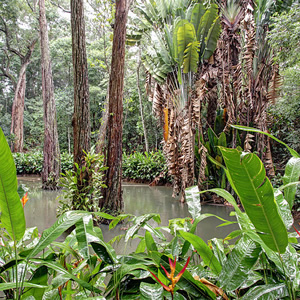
x,y
81,116
112,196
51,163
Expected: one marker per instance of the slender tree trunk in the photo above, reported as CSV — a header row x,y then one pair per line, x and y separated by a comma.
x,y
100,148
140,100
112,195
51,164
17,115
81,116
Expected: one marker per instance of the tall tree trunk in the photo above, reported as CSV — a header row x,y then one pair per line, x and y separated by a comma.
x,y
112,195
140,100
17,115
81,116
51,164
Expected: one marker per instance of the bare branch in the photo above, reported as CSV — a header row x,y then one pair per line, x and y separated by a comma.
x,y
59,6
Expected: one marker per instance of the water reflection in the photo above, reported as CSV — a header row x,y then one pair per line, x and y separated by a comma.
x,y
40,210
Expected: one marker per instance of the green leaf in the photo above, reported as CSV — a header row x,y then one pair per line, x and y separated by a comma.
x,y
151,291
206,23
204,251
150,243
63,223
40,278
184,34
82,227
12,214
105,252
245,128
138,223
211,39
191,57
12,285
284,209
240,262
192,198
291,174
266,292
60,269
247,176
197,13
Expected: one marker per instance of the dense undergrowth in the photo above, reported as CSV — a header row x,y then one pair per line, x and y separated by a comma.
x,y
170,262
138,166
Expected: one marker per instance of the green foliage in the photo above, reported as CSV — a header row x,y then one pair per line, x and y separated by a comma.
x,y
12,214
32,162
145,167
82,186
83,265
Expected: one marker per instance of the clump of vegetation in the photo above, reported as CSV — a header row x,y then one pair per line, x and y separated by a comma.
x,y
32,162
145,167
81,186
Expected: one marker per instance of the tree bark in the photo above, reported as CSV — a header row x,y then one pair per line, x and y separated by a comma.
x,y
17,115
51,163
140,100
112,196
81,116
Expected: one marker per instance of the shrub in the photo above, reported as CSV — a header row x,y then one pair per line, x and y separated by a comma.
x,y
145,166
32,162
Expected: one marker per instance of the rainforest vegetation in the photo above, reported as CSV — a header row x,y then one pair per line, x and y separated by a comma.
x,y
203,96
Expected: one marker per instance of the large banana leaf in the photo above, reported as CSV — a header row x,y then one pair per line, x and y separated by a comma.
x,y
292,173
197,13
184,34
206,22
12,214
239,263
247,176
212,38
191,57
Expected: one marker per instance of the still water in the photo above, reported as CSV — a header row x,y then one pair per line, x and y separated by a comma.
x,y
40,210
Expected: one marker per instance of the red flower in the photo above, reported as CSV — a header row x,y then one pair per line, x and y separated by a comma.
x,y
174,279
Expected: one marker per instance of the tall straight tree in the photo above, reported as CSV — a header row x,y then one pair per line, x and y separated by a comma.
x,y
81,117
12,36
51,164
112,195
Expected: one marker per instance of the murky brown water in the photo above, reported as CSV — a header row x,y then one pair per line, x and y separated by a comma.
x,y
139,199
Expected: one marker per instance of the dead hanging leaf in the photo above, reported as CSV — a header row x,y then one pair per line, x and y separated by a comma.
x,y
215,289
248,140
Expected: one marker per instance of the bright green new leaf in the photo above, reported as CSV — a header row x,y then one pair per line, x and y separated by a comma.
x,y
191,57
291,174
247,176
12,214
184,34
